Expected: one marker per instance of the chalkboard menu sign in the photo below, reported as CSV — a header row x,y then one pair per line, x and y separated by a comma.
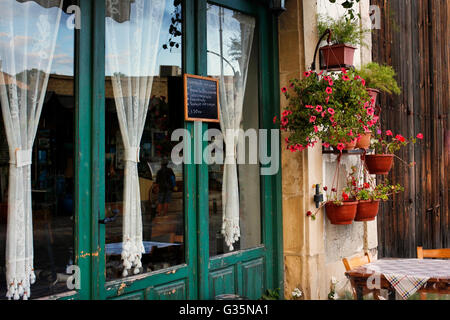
x,y
201,98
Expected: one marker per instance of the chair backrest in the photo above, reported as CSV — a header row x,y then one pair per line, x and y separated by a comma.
x,y
433,253
356,261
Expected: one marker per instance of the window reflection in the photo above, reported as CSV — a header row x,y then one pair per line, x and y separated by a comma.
x,y
28,32
233,59
143,74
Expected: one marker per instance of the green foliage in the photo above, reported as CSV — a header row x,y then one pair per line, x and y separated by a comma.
x,y
343,31
387,143
348,5
380,77
271,294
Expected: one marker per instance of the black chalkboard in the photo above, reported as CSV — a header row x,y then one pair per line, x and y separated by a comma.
x,y
201,98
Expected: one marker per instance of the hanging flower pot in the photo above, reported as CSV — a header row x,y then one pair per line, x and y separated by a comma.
x,y
338,55
341,214
367,210
364,142
379,163
373,93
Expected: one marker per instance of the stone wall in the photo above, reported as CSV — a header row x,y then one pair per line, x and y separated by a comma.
x,y
313,249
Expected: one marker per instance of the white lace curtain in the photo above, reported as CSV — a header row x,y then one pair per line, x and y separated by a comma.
x,y
131,52
25,63
234,31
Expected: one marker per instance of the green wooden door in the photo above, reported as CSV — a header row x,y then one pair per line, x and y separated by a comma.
x,y
202,274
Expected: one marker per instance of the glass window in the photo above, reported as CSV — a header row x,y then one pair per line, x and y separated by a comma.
x,y
36,148
234,190
144,104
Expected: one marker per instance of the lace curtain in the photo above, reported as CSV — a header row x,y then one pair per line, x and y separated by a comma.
x,y
234,32
131,52
25,63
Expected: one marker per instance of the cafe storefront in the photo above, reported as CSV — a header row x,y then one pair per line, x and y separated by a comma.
x,y
92,205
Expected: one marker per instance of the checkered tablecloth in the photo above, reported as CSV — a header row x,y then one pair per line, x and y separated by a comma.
x,y
409,275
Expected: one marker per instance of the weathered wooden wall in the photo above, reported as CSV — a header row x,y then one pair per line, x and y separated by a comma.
x,y
414,39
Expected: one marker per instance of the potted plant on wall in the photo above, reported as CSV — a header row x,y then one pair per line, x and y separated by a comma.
x,y
340,208
334,108
385,145
378,78
369,194
346,34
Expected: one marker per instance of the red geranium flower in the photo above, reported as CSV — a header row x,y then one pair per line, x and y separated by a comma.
x,y
366,185
275,119
400,138
420,136
309,213
389,133
344,196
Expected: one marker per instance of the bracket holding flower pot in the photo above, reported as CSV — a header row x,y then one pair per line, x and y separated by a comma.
x,y
318,197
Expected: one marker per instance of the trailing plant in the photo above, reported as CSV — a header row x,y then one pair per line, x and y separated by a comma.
x,y
343,31
381,77
335,108
369,189
348,6
388,143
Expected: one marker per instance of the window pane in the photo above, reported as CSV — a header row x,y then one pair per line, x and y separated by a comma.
x,y
144,104
29,32
233,59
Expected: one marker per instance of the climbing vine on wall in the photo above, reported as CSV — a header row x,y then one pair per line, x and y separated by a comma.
x,y
348,6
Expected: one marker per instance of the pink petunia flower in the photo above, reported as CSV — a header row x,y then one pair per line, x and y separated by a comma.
x,y
316,129
284,90
323,114
319,108
340,146
307,74
331,111
275,119
389,133
329,90
345,78
370,111
331,83
327,99
326,145
312,119
420,136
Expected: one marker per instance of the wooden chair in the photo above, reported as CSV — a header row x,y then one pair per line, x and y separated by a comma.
x,y
354,263
431,253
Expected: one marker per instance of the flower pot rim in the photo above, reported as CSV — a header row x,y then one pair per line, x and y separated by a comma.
x,y
367,201
344,203
389,155
338,45
373,89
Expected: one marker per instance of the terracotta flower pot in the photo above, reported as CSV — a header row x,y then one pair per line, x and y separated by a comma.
x,y
367,210
338,55
350,145
364,142
373,93
379,163
341,214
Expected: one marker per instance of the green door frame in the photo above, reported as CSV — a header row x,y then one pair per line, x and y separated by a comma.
x,y
90,165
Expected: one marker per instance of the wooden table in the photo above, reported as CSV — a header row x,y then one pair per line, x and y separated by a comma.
x,y
359,278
